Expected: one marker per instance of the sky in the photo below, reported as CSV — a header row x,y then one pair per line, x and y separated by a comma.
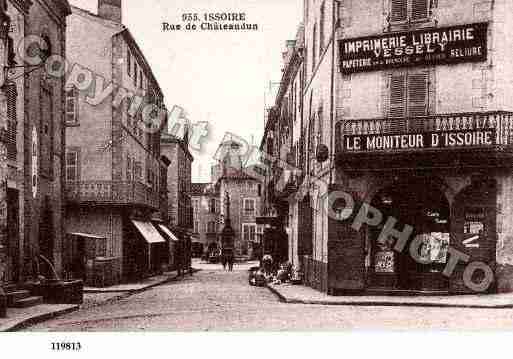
x,y
219,77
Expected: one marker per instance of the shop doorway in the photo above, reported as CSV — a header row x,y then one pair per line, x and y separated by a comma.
x,y
422,205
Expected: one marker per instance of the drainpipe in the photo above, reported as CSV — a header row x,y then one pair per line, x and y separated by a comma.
x,y
4,26
333,77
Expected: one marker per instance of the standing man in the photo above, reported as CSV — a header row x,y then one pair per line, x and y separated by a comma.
x,y
230,258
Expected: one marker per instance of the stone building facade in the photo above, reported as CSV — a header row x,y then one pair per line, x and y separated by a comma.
x,y
245,192
406,111
178,215
114,167
32,112
206,207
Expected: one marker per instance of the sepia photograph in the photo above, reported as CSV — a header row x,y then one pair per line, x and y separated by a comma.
x,y
244,166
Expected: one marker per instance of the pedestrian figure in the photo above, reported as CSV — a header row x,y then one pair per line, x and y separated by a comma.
x,y
230,260
223,261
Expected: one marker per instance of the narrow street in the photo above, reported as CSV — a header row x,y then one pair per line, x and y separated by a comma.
x,y
222,301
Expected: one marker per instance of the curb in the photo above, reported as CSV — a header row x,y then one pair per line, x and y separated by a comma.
x,y
38,319
47,316
357,303
139,290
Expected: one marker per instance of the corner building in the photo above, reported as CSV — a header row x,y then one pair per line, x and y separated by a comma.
x,y
421,130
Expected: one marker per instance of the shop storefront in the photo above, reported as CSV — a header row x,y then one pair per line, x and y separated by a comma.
x,y
424,208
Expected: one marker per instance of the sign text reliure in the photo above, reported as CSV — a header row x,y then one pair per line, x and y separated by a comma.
x,y
465,43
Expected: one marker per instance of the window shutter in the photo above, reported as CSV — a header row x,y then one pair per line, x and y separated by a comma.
x,y
72,106
397,96
12,121
399,10
72,166
419,10
418,94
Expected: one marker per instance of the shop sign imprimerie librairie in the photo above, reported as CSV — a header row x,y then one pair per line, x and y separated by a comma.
x,y
445,45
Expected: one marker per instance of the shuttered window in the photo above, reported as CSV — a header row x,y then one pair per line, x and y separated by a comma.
x,y
409,97
419,10
409,10
320,126
321,28
418,94
72,168
12,121
399,10
398,96
72,107
314,47
128,63
129,169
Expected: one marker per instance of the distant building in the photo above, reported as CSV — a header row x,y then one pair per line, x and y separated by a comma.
x,y
114,169
178,212
206,215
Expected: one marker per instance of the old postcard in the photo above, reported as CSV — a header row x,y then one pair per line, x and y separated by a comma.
x,y
242,166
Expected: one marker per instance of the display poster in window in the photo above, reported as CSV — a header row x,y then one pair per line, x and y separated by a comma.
x,y
474,227
385,262
435,247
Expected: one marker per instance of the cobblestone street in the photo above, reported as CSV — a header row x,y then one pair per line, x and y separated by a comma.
x,y
213,300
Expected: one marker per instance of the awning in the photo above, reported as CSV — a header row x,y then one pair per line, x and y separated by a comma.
x,y
150,233
168,232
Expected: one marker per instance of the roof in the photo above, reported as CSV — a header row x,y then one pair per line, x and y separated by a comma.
x,y
236,174
96,17
121,29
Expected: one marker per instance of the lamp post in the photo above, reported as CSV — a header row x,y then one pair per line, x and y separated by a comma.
x,y
227,234
4,47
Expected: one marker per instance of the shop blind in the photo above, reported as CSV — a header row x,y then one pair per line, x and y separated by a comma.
x,y
419,9
399,10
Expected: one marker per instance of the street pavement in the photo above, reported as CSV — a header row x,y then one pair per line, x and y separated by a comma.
x,y
215,300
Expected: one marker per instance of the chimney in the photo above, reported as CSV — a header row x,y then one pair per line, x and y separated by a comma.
x,y
110,10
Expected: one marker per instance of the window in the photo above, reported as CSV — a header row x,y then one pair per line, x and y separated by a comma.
x,y
249,206
196,226
129,169
319,126
211,227
12,120
321,28
249,232
212,205
136,71
141,79
72,170
72,107
128,63
314,47
409,94
137,171
195,206
46,130
402,11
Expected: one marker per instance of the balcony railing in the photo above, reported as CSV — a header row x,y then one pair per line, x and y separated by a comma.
x,y
110,192
487,129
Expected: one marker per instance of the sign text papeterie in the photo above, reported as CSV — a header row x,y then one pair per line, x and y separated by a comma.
x,y
455,44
